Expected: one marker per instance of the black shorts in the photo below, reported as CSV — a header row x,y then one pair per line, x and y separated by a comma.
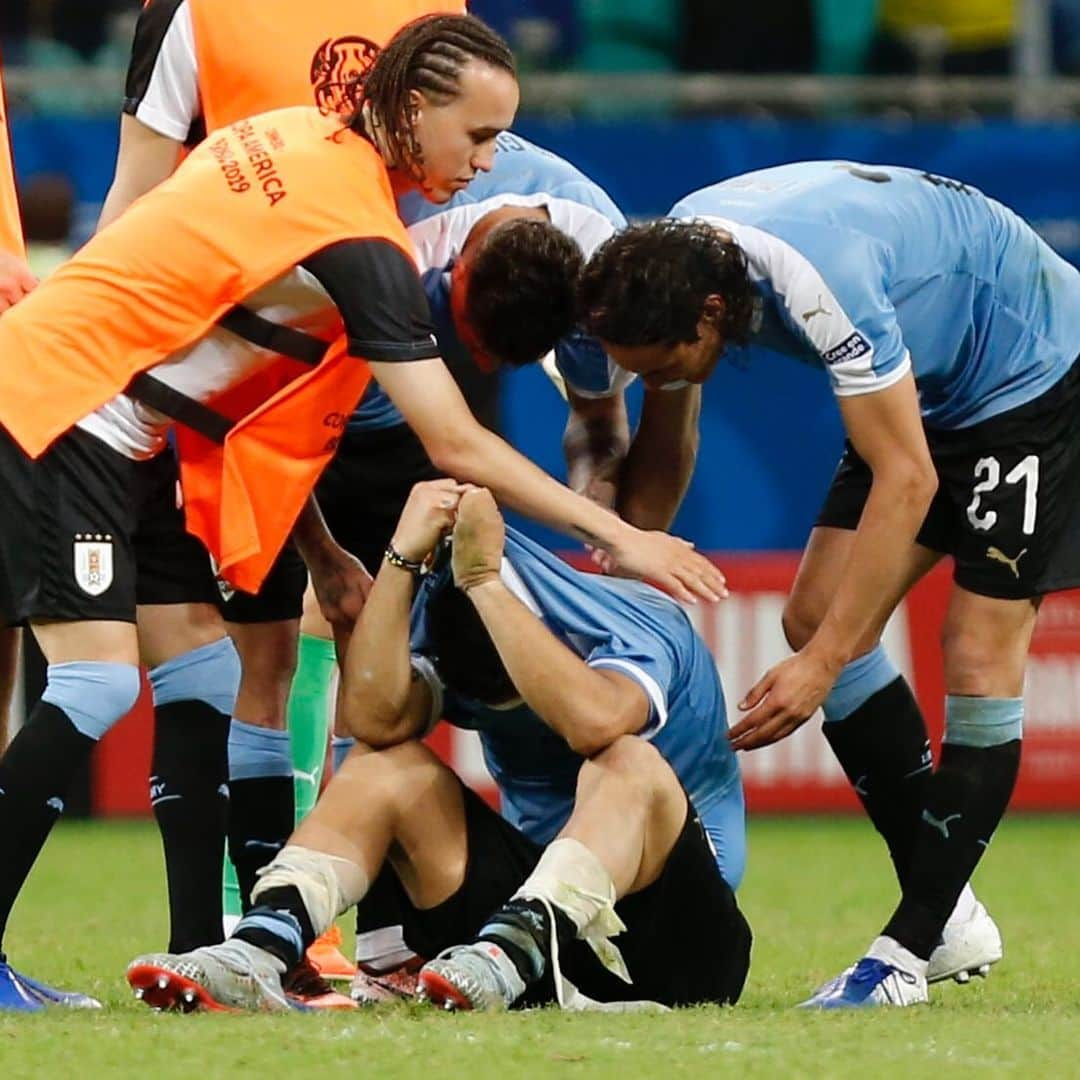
x,y
1008,501
361,494
88,533
686,941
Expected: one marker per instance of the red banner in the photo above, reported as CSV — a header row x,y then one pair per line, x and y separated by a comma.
x,y
743,632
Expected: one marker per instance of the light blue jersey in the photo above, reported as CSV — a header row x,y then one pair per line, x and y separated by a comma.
x,y
872,271
523,175
622,626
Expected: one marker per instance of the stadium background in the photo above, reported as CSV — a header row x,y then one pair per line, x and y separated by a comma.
x,y
607,86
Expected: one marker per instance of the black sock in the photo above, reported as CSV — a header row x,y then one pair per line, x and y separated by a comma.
x,y
280,924
261,820
189,794
965,800
884,750
522,929
35,773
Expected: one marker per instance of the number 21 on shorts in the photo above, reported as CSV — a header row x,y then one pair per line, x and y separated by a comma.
x,y
987,479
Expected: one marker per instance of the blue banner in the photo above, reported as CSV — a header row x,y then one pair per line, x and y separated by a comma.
x,y
770,434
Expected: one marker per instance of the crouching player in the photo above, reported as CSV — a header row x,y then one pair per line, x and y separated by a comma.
x,y
602,720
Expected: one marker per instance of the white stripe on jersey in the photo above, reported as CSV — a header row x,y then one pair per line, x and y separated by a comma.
x,y
812,310
171,103
438,239
214,363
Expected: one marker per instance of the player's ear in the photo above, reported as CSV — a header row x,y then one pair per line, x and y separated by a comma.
x,y
714,309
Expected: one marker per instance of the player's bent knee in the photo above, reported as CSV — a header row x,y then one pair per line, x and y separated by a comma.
x,y
640,764
210,673
328,884
92,694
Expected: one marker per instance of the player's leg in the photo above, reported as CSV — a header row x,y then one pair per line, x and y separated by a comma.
x,y
402,804
872,721
1013,482
361,495
9,673
265,629
985,642
69,570
630,826
194,672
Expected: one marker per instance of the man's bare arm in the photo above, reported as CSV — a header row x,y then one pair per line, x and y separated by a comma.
x,y
661,458
144,160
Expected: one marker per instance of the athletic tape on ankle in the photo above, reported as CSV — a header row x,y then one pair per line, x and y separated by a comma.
x,y
210,673
92,694
570,877
858,682
983,722
327,884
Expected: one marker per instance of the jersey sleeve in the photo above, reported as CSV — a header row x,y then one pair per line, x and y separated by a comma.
x,y
381,299
831,288
639,655
588,371
162,88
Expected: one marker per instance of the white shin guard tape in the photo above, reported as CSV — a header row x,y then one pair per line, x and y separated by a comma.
x,y
327,884
571,878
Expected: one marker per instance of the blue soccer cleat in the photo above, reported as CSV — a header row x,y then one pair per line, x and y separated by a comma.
x,y
20,993
871,982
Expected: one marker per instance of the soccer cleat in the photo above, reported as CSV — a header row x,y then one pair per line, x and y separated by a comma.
x,y
967,948
376,988
478,977
305,985
232,977
870,983
326,956
20,993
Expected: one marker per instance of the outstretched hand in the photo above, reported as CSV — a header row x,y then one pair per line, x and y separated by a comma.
x,y
670,562
782,700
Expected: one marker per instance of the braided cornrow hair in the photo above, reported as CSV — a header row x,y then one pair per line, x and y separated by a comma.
x,y
429,55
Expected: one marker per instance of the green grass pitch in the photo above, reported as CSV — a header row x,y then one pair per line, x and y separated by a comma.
x,y
816,892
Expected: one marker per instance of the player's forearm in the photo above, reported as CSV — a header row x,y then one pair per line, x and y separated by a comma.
x,y
377,675
572,699
145,158
661,459
482,458
874,576
595,443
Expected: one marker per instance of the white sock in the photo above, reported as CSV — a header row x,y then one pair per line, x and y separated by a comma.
x,y
382,950
965,906
892,952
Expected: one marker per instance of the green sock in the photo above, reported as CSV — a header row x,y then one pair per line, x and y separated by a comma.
x,y
311,717
230,892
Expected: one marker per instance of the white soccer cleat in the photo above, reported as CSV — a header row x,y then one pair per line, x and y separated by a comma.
x,y
232,977
968,947
478,977
871,982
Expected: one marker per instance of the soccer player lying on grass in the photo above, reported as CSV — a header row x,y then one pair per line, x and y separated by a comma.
x,y
602,719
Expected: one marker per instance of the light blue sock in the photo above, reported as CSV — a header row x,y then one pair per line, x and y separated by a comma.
x,y
92,694
858,682
983,722
257,752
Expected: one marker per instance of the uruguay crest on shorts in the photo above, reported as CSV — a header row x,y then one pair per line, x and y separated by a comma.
x,y
93,562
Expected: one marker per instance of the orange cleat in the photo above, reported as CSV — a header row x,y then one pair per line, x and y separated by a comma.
x,y
326,957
